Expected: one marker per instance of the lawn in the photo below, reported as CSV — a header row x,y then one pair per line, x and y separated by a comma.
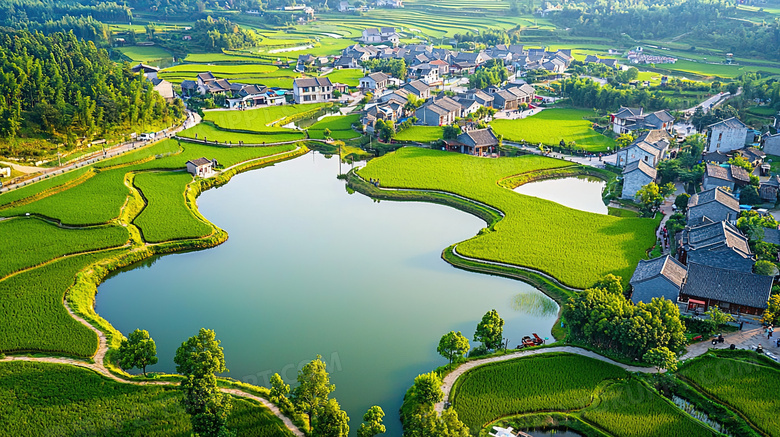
x,y
144,54
60,400
575,247
340,127
348,76
33,241
211,133
549,382
167,217
259,120
629,409
421,134
550,126
727,380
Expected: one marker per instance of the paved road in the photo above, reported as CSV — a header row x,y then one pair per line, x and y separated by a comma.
x,y
110,152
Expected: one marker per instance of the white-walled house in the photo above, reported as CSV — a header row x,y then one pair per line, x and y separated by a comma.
x,y
635,176
312,90
200,167
726,135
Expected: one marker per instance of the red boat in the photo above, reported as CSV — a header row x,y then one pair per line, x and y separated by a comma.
x,y
537,340
528,342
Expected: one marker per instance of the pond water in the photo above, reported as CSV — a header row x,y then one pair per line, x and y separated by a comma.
x,y
582,192
310,269
305,123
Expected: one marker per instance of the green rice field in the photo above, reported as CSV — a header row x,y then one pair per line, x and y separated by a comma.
x,y
144,54
260,120
348,76
575,247
59,400
550,126
212,133
340,127
421,134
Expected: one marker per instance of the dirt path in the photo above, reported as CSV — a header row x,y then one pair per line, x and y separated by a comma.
x,y
450,379
21,168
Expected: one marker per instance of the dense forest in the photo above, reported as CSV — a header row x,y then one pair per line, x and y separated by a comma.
x,y
713,22
63,87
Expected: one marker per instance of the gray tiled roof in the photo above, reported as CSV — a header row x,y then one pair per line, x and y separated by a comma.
x,y
665,266
200,161
641,166
718,195
418,85
715,236
718,172
312,81
478,137
730,286
730,123
378,76
625,112
653,136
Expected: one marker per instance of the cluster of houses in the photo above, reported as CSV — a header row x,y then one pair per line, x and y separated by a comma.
x,y
638,56
713,263
344,5
238,95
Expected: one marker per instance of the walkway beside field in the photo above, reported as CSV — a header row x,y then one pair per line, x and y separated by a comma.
x,y
747,339
192,119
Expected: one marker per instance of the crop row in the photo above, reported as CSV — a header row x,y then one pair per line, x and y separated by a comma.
x,y
166,216
575,247
33,241
630,409
558,382
749,388
60,400
221,69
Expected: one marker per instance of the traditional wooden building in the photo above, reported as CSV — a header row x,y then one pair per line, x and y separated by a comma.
x,y
732,291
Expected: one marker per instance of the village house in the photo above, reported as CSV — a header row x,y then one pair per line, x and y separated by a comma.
x,y
389,3
201,167
344,6
208,84
250,96
715,204
441,65
400,95
384,35
769,190
312,90
725,176
165,89
503,100
346,62
716,244
426,73
732,291
660,277
468,106
374,83
148,71
636,175
481,97
479,142
771,144
438,112
752,155
419,89
726,135
630,119
650,147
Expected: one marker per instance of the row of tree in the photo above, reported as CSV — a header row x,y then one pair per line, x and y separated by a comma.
x,y
587,93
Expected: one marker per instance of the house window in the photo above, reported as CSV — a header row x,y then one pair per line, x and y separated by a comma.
x,y
720,136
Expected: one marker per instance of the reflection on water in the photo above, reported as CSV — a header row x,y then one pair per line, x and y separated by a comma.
x,y
582,192
534,304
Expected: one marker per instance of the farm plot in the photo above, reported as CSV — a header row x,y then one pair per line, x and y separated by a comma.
x,y
550,382
32,316
230,70
348,76
630,409
340,127
727,379
226,156
268,75
32,241
422,134
166,216
575,247
551,126
58,400
144,53
258,120
211,133
37,187
94,201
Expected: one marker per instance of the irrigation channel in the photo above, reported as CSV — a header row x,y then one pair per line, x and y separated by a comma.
x,y
311,269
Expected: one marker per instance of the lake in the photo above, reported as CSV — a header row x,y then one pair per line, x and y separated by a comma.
x,y
582,192
311,269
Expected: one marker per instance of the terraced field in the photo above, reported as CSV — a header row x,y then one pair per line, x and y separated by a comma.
x,y
211,133
348,76
575,247
248,73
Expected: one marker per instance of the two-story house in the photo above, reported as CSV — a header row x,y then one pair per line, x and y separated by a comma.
x,y
726,135
312,90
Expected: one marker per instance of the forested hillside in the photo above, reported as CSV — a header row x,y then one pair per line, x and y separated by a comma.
x,y
716,22
63,87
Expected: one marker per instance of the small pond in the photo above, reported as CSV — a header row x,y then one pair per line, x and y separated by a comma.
x,y
582,192
310,269
305,123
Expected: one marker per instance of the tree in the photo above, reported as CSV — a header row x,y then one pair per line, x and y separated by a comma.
x,y
453,345
367,98
650,197
427,389
669,170
611,283
331,421
667,189
313,389
739,161
661,358
749,196
764,267
451,131
372,423
138,350
624,140
772,312
490,331
198,359
718,317
278,388
681,202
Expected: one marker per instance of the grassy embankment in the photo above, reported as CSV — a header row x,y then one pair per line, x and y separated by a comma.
x,y
575,247
551,126
587,394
